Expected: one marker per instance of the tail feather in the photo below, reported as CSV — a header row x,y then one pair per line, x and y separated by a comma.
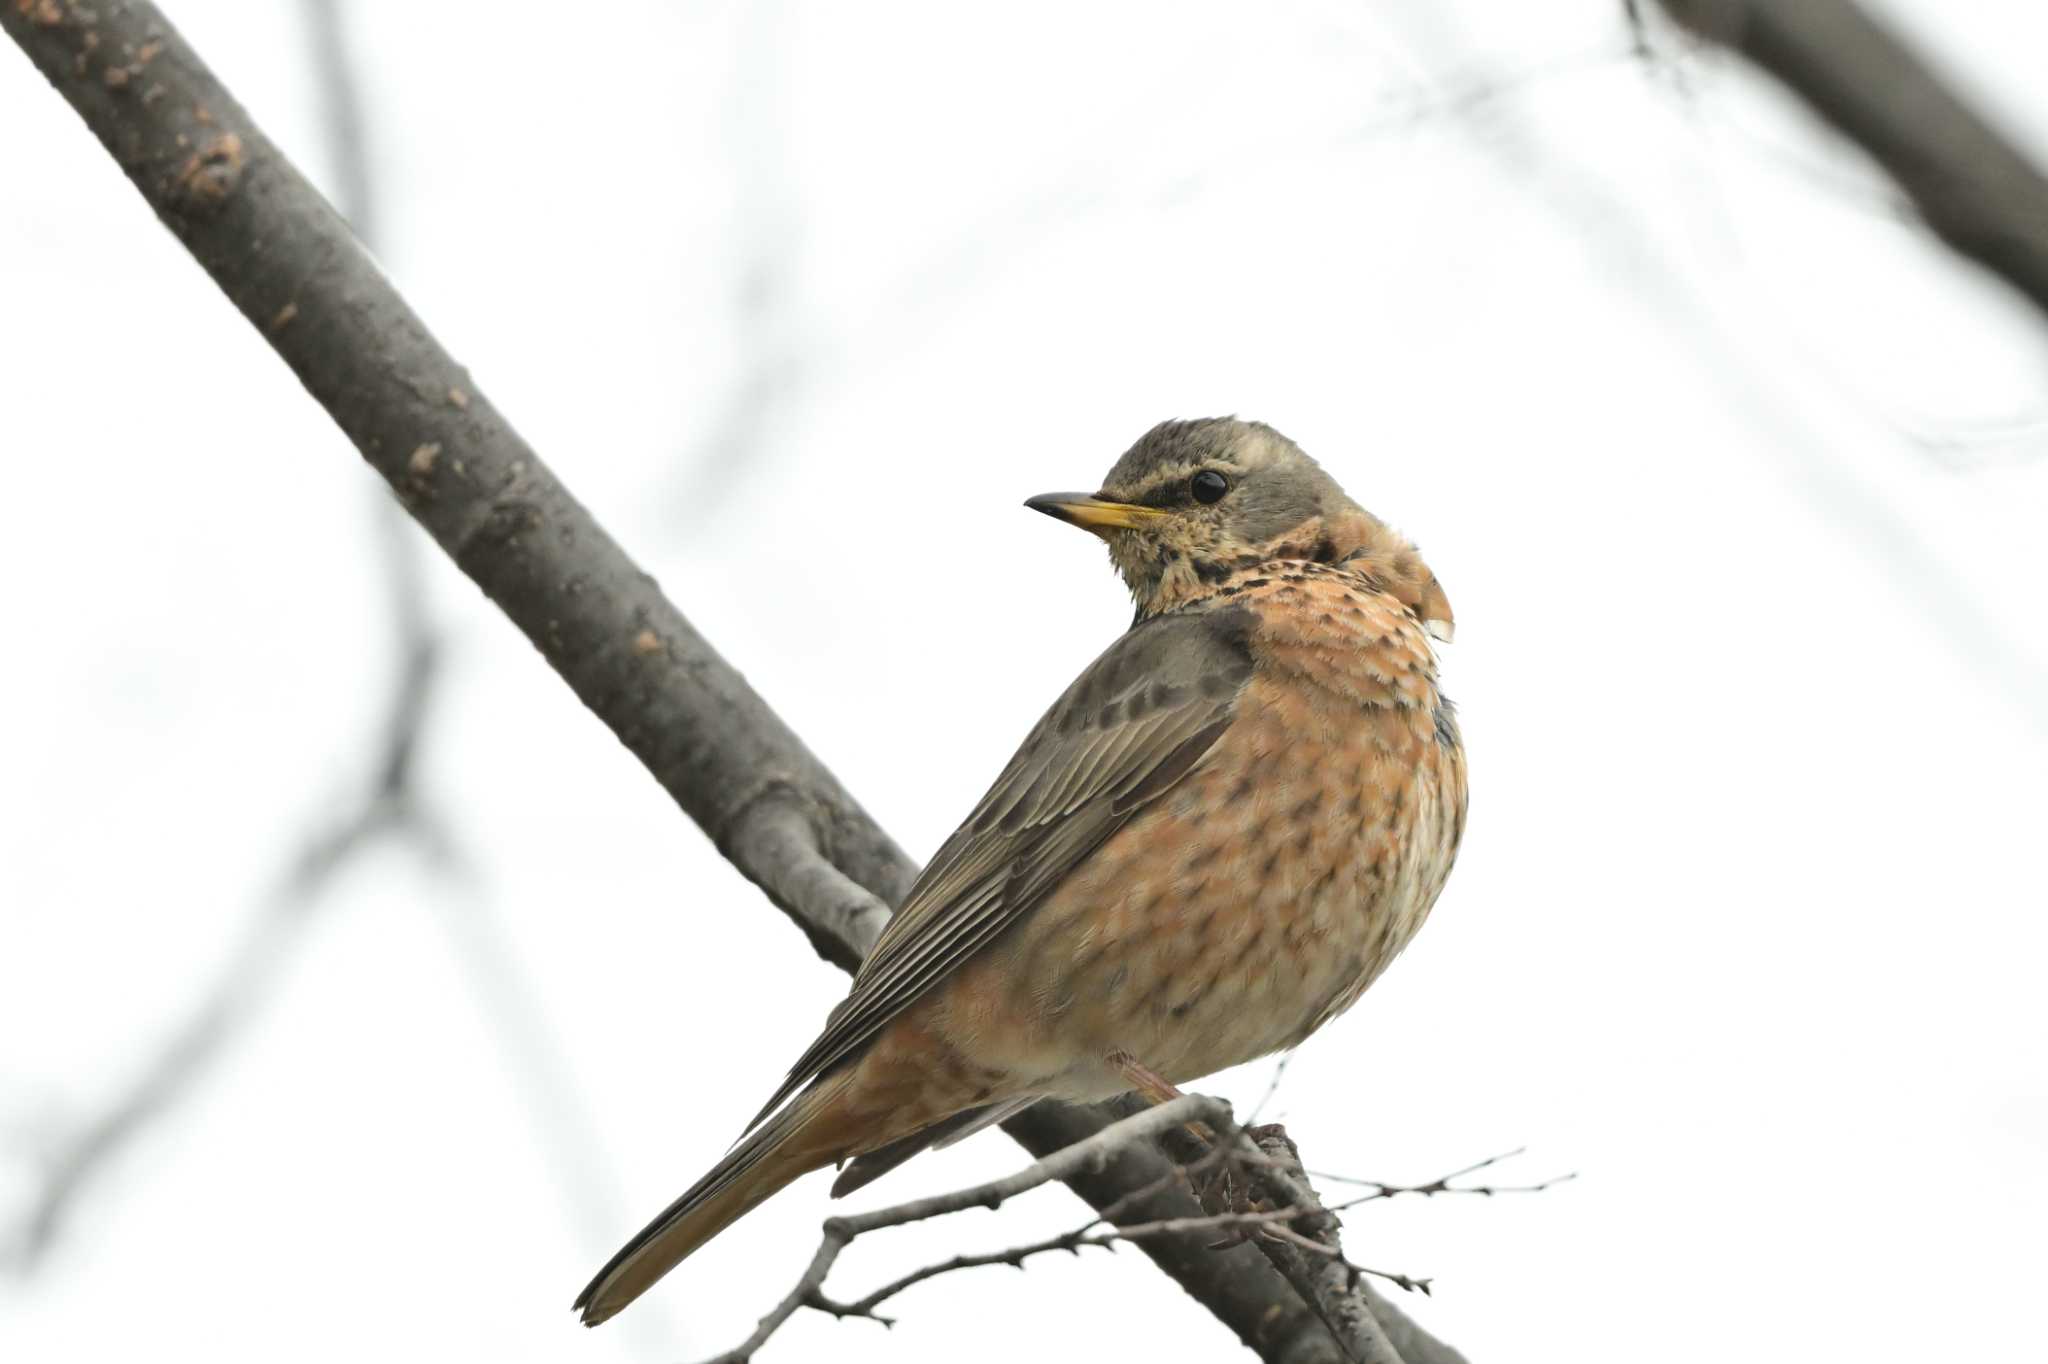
x,y
866,1169
793,1142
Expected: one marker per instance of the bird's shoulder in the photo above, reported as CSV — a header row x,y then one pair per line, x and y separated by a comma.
x,y
1333,626
1163,675
1133,724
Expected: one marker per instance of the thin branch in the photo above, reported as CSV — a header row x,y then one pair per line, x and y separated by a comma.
x,y
1442,1183
1328,1283
1264,1221
1071,1242
1302,1229
841,1232
1976,189
806,1286
1273,1082
1308,1252
475,485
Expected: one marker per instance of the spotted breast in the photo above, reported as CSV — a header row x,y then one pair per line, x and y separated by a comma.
x,y
1262,896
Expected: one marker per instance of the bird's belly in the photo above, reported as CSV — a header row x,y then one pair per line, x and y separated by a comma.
x,y
1248,908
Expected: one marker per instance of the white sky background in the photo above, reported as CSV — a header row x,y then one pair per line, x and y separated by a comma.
x,y
1734,479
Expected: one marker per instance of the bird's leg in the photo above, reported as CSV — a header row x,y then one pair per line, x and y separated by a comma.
x,y
1157,1088
1220,1190
1143,1078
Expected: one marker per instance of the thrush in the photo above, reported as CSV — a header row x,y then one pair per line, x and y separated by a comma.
x,y
1209,847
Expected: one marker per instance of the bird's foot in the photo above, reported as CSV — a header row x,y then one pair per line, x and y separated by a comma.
x,y
1272,1138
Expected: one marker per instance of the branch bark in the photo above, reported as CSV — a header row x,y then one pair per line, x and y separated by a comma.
x,y
1314,1264
289,264
1974,188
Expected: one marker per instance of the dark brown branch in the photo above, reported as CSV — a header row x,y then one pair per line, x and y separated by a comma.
x,y
284,258
1974,188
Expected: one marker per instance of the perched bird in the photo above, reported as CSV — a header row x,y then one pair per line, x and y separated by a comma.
x,y
1207,849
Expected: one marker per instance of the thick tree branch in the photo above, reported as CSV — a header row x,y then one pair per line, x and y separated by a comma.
x,y
1975,189
284,258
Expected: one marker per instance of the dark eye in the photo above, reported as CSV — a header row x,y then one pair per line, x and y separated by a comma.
x,y
1208,486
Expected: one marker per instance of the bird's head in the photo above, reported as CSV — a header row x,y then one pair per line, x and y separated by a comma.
x,y
1193,501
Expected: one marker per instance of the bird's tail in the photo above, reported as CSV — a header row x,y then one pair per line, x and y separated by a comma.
x,y
804,1136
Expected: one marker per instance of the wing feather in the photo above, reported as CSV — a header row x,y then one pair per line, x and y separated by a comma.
x,y
1135,722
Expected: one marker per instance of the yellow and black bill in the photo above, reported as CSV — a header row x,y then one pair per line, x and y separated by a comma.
x,y
1092,513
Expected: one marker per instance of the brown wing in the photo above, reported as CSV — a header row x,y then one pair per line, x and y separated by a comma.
x,y
1136,721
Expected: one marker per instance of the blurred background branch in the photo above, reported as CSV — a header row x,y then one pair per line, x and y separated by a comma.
x,y
1609,222
1971,184
390,808
386,811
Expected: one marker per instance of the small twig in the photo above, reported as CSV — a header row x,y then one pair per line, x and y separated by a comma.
x,y
1337,1256
1073,1242
1442,1183
840,1232
1298,1233
1091,1152
1272,1088
1262,1221
806,1287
